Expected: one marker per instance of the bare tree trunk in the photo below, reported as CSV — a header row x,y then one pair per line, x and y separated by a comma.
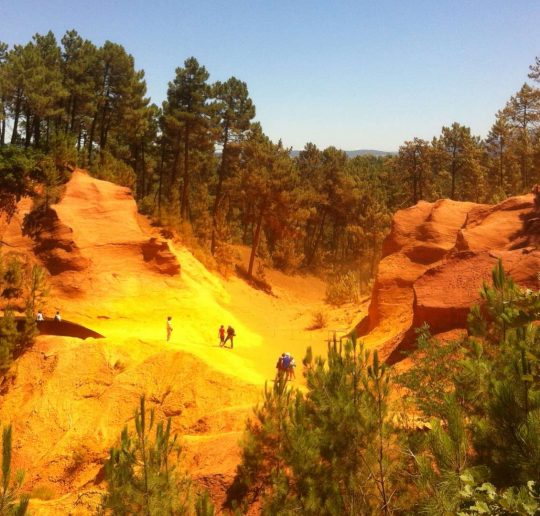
x,y
160,184
3,130
16,115
185,183
453,170
37,131
217,200
256,239
79,138
317,239
144,185
47,134
91,137
28,128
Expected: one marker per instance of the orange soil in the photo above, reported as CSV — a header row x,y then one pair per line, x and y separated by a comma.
x,y
70,398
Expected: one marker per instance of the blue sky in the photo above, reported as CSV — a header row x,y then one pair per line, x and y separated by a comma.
x,y
354,74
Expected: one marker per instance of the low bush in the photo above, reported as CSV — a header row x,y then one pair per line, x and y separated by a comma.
x,y
114,170
343,288
318,322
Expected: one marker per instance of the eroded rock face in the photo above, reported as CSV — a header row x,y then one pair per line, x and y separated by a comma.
x,y
156,253
435,260
53,243
94,228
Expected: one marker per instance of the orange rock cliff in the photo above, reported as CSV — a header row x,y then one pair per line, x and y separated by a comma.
x,y
435,260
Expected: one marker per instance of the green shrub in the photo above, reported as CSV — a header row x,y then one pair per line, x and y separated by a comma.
x,y
16,168
9,337
22,285
343,288
319,321
141,474
42,492
63,150
9,489
114,170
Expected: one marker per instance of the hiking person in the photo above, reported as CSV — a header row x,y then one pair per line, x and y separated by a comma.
x,y
169,328
230,336
221,336
57,316
290,372
39,316
279,366
286,363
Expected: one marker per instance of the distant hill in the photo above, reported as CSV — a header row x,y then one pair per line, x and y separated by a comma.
x,y
358,152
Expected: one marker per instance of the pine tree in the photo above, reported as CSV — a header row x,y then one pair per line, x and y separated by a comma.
x,y
523,114
461,154
80,66
443,459
414,165
8,340
46,93
234,111
503,368
341,437
187,124
501,160
9,488
267,185
262,464
141,477
326,452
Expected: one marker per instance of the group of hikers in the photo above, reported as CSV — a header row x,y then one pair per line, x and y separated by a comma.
x,y
223,335
224,339
40,317
285,367
286,363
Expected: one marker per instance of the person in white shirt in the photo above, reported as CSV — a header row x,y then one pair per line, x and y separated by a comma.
x,y
58,317
39,316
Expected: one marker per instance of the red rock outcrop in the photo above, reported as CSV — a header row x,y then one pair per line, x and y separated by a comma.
x,y
53,242
435,260
156,252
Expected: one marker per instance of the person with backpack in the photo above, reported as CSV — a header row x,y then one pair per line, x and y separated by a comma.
x,y
221,336
230,336
279,366
286,363
290,372
169,328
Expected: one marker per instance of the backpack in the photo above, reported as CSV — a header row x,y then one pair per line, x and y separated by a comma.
x,y
286,362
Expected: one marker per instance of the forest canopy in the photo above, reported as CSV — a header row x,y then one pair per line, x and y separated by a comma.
x,y
200,163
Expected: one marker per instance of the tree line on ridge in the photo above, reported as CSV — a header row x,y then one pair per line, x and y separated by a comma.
x,y
199,162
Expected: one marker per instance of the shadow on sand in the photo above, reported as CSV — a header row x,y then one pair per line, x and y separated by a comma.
x,y
63,329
